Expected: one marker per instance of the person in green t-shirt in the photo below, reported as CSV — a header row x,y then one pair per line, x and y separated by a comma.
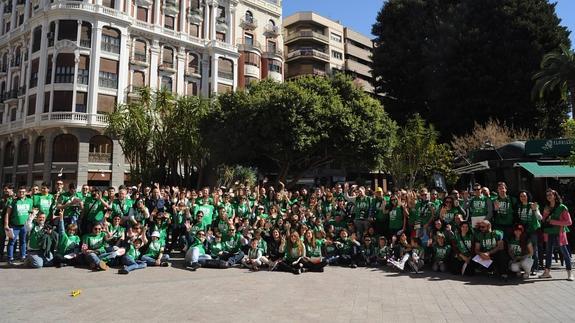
x,y
41,241
72,203
529,215
479,206
94,209
44,202
16,216
6,200
122,205
361,205
520,251
94,247
504,207
463,250
314,255
196,253
382,251
489,245
68,250
155,254
441,253
131,260
397,213
556,220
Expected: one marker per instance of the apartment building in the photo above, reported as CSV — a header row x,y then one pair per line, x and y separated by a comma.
x,y
65,64
320,46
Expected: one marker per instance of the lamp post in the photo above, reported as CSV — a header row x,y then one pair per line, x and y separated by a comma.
x,y
488,144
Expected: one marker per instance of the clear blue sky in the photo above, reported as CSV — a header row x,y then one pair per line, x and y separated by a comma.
x,y
360,14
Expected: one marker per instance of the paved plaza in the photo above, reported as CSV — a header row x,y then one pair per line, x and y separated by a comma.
x,y
237,295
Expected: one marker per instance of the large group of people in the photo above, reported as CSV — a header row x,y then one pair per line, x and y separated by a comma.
x,y
464,232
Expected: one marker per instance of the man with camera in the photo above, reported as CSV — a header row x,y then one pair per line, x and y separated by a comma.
x,y
42,241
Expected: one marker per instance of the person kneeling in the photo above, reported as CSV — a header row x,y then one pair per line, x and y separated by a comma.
x,y
521,252
155,255
196,254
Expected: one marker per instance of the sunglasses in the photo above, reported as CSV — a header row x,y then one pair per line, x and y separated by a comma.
x,y
97,229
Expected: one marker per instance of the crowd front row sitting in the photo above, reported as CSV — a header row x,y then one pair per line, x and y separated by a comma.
x,y
464,232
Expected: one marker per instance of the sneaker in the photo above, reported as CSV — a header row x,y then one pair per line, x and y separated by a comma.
x,y
353,266
569,275
123,271
165,264
545,274
255,268
273,265
103,265
194,266
298,271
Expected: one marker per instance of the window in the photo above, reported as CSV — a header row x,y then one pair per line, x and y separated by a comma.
x,y
37,39
225,69
221,14
168,57
100,150
108,73
34,73
31,105
110,40
83,70
275,66
81,100
249,39
167,83
106,103
49,70
138,79
272,47
191,88
9,154
249,79
108,3
169,22
51,34
46,102
65,148
23,152
142,14
39,150
86,35
195,30
67,29
65,63
336,38
140,50
193,63
336,54
62,101
252,59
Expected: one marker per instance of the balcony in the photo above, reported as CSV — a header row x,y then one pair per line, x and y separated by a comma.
x,y
139,58
271,31
195,15
83,76
144,3
248,23
249,45
21,91
308,35
110,47
103,158
3,69
11,95
273,51
171,7
308,53
193,71
359,68
167,66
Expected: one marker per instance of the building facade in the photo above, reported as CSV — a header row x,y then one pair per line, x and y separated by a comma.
x,y
65,64
316,45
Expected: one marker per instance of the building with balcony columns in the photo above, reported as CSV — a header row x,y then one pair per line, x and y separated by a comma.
x,y
65,64
320,46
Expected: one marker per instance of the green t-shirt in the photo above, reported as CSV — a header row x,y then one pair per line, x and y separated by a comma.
x,y
95,241
45,204
464,243
21,209
35,234
198,243
383,252
361,207
555,215
66,243
208,210
440,253
310,251
122,208
154,248
133,252
527,218
93,210
233,243
376,204
396,219
216,248
117,232
478,206
424,211
72,209
243,210
489,240
514,246
504,216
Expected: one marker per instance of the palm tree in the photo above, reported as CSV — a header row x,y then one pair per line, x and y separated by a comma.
x,y
557,72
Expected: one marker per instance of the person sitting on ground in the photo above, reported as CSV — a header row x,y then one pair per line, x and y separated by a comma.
x,y
42,241
131,260
489,245
68,250
196,253
521,252
462,247
441,253
313,260
382,251
348,249
294,251
94,248
368,255
155,254
254,259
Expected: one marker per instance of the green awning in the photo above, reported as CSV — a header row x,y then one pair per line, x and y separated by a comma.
x,y
553,171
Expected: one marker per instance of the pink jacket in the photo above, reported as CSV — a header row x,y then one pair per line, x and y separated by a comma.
x,y
564,221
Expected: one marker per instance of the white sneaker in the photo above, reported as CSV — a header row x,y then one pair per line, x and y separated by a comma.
x,y
569,275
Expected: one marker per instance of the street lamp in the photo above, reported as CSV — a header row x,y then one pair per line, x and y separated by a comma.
x,y
488,144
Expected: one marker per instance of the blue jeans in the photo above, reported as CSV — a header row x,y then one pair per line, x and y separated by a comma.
x,y
131,264
152,261
20,234
35,259
534,242
552,241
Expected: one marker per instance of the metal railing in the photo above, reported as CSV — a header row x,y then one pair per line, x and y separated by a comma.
x,y
307,34
308,52
99,157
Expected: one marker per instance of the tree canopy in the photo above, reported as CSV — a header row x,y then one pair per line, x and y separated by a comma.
x,y
457,62
293,127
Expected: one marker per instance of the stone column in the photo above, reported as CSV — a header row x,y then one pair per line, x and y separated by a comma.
x,y
214,88
124,66
154,56
118,168
83,154
94,69
205,61
157,5
183,15
181,58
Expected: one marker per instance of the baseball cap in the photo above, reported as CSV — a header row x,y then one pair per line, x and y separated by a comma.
x,y
156,234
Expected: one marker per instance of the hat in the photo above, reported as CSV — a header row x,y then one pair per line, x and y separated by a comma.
x,y
134,187
261,207
379,190
156,234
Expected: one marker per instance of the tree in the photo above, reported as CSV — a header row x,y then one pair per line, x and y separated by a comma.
x,y
495,132
293,127
557,72
159,135
457,62
416,153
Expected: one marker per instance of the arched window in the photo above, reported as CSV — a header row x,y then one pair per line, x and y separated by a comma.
x,y
65,148
140,50
23,151
100,149
9,154
39,150
110,40
17,57
138,79
249,16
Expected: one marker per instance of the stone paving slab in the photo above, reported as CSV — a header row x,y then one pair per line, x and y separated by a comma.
x,y
337,295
